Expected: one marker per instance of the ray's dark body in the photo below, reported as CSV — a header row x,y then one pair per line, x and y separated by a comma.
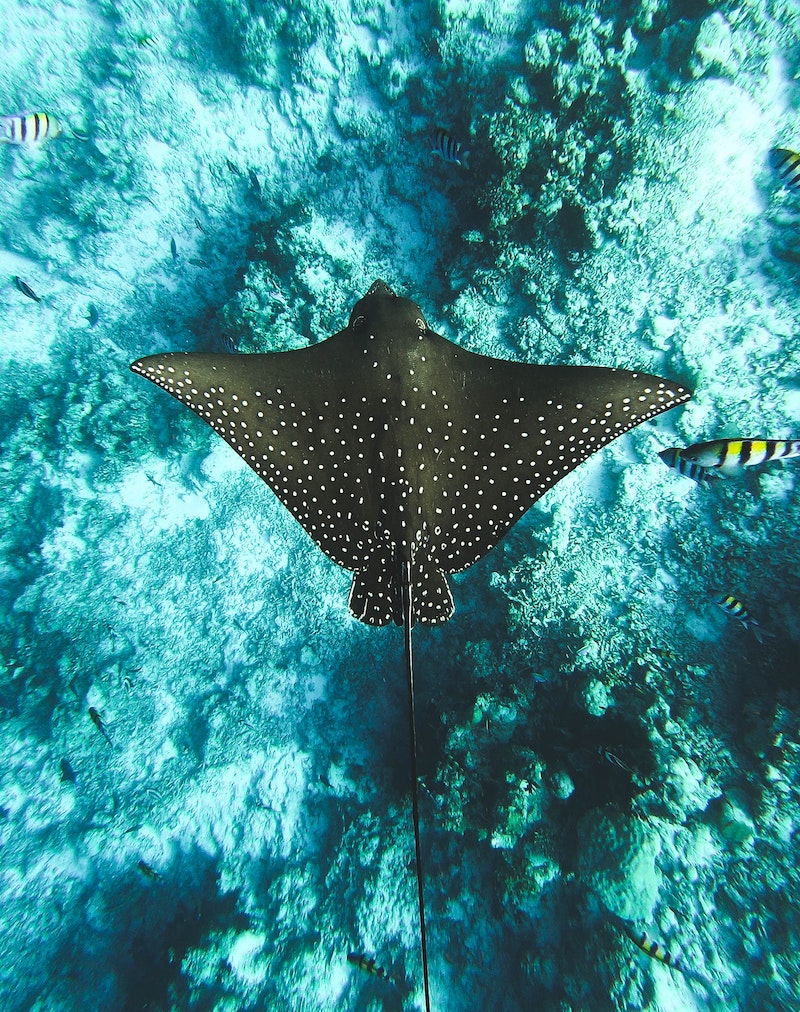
x,y
388,443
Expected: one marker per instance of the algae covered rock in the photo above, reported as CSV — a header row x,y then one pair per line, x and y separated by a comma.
x,y
713,48
596,698
618,862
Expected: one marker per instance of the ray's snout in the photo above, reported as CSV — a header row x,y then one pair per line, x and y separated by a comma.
x,y
379,288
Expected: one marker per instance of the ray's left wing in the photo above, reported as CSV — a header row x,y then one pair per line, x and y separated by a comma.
x,y
284,413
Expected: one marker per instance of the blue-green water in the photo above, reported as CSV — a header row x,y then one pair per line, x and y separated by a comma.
x,y
600,746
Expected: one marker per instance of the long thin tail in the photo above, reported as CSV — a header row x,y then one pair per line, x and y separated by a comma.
x,y
407,620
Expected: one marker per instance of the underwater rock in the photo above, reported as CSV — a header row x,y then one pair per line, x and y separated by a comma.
x,y
499,716
676,45
532,872
735,825
689,788
617,861
561,785
543,49
713,48
243,958
596,698
525,807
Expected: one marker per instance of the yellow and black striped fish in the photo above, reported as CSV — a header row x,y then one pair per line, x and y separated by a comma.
x,y
28,128
653,949
368,965
730,456
672,458
659,953
733,606
448,149
787,164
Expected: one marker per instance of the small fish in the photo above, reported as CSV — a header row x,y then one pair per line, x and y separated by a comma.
x,y
653,949
254,182
787,165
672,458
638,782
147,871
26,289
197,262
233,168
616,761
28,128
97,720
173,248
67,772
733,606
368,965
730,456
93,315
448,149
199,225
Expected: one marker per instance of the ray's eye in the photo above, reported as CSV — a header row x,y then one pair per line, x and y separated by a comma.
x,y
421,325
358,322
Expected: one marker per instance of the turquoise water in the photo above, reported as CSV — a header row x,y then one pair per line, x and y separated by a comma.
x,y
601,749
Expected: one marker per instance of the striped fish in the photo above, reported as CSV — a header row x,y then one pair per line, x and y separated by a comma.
x,y
733,606
787,164
730,456
28,128
368,965
448,149
26,289
653,949
672,458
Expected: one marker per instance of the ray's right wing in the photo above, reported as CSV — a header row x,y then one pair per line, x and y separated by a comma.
x,y
517,430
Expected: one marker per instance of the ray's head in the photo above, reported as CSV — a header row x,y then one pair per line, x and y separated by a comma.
x,y
381,312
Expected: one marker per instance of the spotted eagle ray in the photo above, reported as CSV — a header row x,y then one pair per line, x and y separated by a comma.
x,y
405,457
